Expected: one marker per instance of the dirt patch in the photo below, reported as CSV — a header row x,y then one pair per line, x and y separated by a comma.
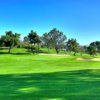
x,y
89,59
96,59
54,54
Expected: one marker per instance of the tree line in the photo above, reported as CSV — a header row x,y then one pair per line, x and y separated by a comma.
x,y
53,39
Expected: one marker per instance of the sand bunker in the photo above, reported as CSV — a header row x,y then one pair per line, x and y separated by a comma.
x,y
89,59
54,54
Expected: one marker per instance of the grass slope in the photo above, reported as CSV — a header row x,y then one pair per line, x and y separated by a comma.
x,y
37,77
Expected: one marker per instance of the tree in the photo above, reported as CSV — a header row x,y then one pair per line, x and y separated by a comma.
x,y
56,39
96,44
72,45
33,39
10,39
91,50
46,40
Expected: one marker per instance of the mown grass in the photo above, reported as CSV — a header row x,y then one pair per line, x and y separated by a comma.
x,y
36,77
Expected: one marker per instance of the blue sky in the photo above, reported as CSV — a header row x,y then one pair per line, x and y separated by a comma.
x,y
78,19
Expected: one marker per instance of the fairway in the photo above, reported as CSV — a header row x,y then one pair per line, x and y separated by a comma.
x,y
39,77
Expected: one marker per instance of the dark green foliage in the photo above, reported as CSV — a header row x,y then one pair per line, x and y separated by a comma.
x,y
57,39
73,46
54,39
31,41
10,39
92,50
33,38
96,44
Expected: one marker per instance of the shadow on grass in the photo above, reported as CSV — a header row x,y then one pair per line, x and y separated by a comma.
x,y
68,85
4,53
20,53
27,53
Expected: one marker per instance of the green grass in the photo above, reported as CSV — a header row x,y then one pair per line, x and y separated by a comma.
x,y
52,51
37,77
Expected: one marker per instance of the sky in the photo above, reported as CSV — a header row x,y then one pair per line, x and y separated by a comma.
x,y
79,19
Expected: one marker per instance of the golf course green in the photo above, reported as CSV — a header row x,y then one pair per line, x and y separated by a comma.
x,y
45,77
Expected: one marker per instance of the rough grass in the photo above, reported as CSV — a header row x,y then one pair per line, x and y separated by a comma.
x,y
36,77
